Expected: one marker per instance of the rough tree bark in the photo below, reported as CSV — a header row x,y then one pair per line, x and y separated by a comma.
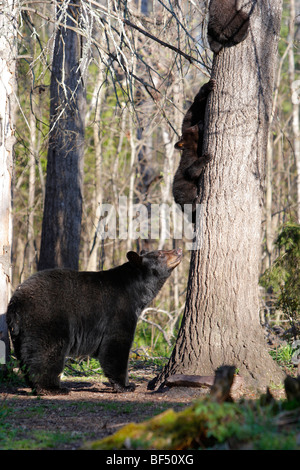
x,y
221,319
63,199
8,53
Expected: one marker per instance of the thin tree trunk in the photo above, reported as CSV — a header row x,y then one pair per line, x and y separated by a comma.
x,y
131,183
221,319
268,204
63,200
98,194
295,100
8,53
31,197
166,187
270,223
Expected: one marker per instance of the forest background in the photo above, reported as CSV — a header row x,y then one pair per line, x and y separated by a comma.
x,y
137,93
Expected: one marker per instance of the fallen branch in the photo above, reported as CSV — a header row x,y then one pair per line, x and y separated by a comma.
x,y
221,383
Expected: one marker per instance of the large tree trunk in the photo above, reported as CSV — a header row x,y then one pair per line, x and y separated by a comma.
x,y
221,319
8,53
63,200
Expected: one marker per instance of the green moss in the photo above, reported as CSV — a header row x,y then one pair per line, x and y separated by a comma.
x,y
207,425
190,428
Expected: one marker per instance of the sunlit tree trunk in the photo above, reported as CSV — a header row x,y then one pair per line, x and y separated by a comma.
x,y
221,319
295,92
31,197
93,261
8,53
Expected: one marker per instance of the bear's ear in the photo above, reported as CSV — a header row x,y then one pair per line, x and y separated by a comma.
x,y
143,252
179,145
194,129
134,258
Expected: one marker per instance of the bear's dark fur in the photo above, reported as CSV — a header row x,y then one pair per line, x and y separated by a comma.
x,y
59,312
185,188
192,161
228,24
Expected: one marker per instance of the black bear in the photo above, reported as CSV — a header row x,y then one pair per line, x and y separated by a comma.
x,y
185,188
60,312
228,23
192,161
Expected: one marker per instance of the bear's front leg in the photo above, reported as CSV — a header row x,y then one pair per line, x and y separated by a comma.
x,y
205,90
113,358
120,388
193,172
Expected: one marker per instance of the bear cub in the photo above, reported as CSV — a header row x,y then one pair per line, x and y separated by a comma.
x,y
58,313
228,24
192,161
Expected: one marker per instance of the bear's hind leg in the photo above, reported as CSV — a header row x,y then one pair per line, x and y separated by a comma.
x,y
43,367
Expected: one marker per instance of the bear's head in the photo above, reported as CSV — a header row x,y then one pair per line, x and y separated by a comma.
x,y
159,263
189,139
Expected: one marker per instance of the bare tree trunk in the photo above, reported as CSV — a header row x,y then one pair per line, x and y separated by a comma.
x,y
270,224
63,200
295,100
166,186
131,183
31,196
268,205
8,53
221,319
98,195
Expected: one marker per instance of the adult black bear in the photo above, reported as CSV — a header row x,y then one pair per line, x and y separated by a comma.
x,y
228,23
60,312
192,160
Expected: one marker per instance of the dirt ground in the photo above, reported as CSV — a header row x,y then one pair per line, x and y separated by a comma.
x,y
91,410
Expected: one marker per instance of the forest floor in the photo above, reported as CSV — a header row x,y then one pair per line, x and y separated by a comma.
x,y
90,411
